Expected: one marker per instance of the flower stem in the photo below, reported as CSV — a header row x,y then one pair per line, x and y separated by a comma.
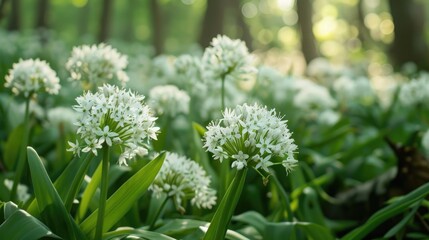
x,y
283,195
158,212
103,193
23,152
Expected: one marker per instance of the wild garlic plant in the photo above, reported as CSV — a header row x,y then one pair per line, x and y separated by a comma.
x,y
251,136
27,78
112,117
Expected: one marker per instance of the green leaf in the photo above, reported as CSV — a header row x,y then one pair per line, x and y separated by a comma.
x,y
72,175
88,193
398,206
230,234
253,219
21,225
12,147
226,208
180,227
49,202
285,230
126,231
398,227
123,199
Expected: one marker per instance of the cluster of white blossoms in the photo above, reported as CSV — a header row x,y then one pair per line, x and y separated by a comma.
x,y
311,97
189,75
169,100
251,135
354,90
114,116
183,179
227,59
415,91
30,76
63,116
97,64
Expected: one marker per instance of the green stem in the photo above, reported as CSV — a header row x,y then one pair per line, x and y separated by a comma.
x,y
23,153
222,217
77,181
283,195
103,193
158,212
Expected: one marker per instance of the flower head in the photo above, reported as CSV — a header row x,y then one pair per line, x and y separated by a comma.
x,y
97,64
251,135
62,116
114,116
169,100
183,179
312,98
415,92
227,58
30,76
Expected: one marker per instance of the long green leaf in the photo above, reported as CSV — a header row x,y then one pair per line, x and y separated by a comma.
x,y
200,155
50,205
21,225
123,199
253,219
12,147
72,175
226,208
180,227
389,211
126,231
88,193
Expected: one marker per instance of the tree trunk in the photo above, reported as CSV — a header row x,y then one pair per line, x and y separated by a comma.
x,y
129,27
105,20
42,14
213,22
84,19
241,24
2,6
157,27
15,16
308,42
409,44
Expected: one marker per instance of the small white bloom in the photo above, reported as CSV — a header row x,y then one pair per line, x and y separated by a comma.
x,y
183,179
415,91
114,116
250,135
227,58
97,64
21,192
169,100
31,76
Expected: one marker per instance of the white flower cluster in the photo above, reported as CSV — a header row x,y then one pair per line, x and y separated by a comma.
x,y
31,76
63,116
227,58
354,90
311,97
189,75
251,135
415,91
169,100
21,191
113,116
97,64
183,179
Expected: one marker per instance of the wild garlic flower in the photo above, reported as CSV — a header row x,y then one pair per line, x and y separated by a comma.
x,y
311,97
63,116
415,92
353,90
183,179
97,64
169,100
31,76
113,116
189,75
251,135
22,190
228,59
